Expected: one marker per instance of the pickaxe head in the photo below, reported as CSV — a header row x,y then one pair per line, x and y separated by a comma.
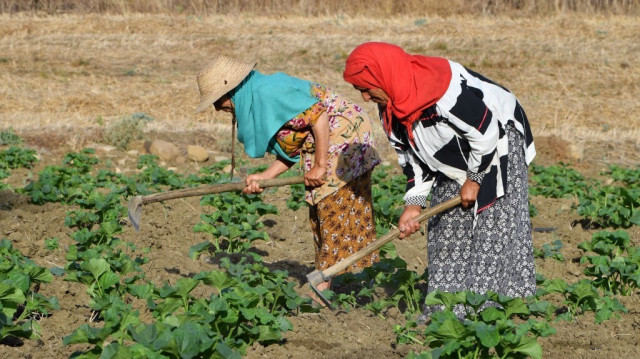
x,y
315,278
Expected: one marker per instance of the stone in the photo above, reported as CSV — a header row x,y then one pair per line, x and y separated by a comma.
x,y
139,146
576,151
166,151
221,158
197,153
102,148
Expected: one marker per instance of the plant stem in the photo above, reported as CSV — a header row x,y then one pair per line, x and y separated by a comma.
x,y
412,338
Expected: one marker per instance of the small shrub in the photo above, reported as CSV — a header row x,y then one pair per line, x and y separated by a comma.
x,y
9,138
128,129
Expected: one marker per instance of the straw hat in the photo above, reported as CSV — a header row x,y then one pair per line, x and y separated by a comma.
x,y
220,76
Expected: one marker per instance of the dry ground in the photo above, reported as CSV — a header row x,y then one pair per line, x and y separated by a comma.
x,y
167,231
66,78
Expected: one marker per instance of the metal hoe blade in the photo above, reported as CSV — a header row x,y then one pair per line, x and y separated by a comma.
x,y
314,279
135,211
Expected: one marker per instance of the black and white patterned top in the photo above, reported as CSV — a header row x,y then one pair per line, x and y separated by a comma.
x,y
462,136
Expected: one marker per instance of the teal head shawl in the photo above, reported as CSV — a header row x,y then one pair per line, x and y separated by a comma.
x,y
263,103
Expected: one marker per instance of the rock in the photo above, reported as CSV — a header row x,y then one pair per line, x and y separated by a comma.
x,y
122,161
221,158
133,153
576,151
166,151
197,153
102,148
139,146
226,169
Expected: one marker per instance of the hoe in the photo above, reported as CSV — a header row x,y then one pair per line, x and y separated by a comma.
x,y
317,277
136,203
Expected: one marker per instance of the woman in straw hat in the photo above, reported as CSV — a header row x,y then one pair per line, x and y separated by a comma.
x,y
456,131
305,122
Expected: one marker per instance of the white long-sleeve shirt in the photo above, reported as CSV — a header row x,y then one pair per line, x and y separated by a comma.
x,y
462,135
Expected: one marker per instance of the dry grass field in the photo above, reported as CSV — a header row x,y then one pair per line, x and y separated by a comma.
x,y
576,75
66,77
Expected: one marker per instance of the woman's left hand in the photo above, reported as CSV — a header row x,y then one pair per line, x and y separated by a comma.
x,y
469,193
315,176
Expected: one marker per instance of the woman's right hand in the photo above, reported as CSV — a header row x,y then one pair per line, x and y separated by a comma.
x,y
252,183
407,225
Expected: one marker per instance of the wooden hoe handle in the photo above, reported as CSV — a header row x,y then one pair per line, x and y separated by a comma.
x,y
219,188
372,247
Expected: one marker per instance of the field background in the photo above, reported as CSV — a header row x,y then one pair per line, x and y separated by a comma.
x,y
70,69
576,73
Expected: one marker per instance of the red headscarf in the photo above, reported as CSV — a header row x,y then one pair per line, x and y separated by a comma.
x,y
412,82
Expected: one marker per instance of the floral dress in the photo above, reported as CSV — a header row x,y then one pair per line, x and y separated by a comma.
x,y
351,150
340,212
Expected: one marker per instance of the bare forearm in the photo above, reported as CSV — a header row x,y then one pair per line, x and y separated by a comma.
x,y
277,167
321,136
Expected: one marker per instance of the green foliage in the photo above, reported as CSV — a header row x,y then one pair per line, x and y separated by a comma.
x,y
156,176
64,183
17,157
602,206
20,303
612,270
611,206
296,197
557,181
249,305
210,174
580,298
550,250
51,243
9,138
235,221
533,211
402,287
249,302
490,328
387,192
626,176
128,129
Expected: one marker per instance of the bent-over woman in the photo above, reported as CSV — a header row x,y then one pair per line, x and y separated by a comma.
x,y
306,122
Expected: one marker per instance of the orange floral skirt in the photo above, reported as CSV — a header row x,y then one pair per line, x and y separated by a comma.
x,y
342,224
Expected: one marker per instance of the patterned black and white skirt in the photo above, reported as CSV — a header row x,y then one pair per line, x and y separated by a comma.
x,y
496,254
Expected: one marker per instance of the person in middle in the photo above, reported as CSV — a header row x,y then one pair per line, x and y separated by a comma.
x,y
306,122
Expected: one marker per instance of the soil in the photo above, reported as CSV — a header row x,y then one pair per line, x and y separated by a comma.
x,y
167,231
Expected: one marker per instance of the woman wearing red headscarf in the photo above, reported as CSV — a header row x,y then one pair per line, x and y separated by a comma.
x,y
456,131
